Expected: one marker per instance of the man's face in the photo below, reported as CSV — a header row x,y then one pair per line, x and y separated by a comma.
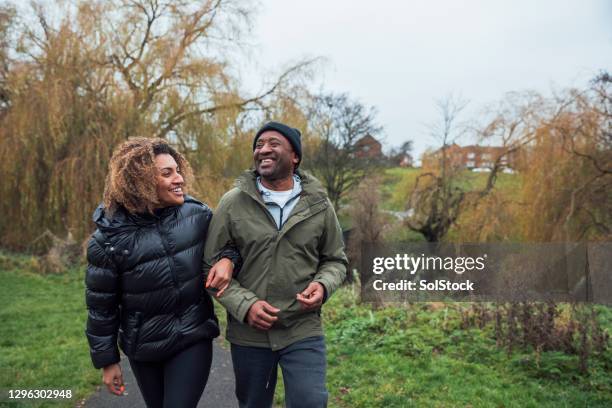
x,y
274,156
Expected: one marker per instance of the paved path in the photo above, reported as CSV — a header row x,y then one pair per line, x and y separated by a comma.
x,y
219,390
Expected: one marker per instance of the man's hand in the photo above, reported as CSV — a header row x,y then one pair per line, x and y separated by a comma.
x,y
113,379
262,315
312,297
220,276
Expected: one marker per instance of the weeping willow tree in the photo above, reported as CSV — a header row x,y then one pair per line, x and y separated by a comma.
x,y
561,192
568,182
79,77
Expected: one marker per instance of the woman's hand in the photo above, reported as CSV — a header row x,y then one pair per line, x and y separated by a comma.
x,y
113,379
220,276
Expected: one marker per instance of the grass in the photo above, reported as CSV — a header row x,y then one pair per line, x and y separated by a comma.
x,y
391,357
398,183
418,356
42,342
396,186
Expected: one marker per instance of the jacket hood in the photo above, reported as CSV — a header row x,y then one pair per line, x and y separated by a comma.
x,y
123,221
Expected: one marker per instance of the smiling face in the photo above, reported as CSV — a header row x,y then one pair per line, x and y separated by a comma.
x,y
274,157
169,181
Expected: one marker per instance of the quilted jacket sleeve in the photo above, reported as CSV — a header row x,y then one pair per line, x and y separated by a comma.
x,y
102,298
230,252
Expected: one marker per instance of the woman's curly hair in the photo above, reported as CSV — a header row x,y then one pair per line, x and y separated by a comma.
x,y
131,180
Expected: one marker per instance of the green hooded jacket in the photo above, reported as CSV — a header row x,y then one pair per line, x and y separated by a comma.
x,y
277,264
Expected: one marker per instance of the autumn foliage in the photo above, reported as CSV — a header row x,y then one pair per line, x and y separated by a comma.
x,y
77,78
560,190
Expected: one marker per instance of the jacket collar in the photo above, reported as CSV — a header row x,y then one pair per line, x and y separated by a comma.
x,y
312,190
123,220
266,193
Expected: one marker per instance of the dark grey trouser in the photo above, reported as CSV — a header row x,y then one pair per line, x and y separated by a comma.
x,y
303,367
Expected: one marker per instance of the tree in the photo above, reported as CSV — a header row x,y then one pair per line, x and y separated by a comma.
x,y
338,123
439,196
406,147
368,221
569,178
402,153
436,198
563,151
7,16
85,75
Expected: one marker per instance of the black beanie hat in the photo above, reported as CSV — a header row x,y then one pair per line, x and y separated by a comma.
x,y
291,134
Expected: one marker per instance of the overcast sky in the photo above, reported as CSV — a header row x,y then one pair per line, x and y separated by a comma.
x,y
400,56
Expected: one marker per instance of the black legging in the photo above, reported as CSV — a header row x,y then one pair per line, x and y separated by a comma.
x,y
178,381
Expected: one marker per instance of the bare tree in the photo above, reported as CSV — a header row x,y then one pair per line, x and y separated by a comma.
x,y
338,123
438,197
368,221
435,200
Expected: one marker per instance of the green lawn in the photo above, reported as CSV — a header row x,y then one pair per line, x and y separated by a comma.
x,y
418,356
42,342
398,183
391,357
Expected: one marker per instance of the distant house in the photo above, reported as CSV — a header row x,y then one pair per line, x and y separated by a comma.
x,y
368,147
405,160
473,157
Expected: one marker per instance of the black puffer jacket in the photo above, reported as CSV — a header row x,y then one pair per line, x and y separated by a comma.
x,y
145,283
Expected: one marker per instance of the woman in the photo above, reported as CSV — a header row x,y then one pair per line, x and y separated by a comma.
x,y
144,280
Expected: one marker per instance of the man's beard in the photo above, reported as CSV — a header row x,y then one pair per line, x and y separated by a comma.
x,y
281,170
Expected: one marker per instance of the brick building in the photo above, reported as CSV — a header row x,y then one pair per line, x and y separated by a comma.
x,y
368,147
471,157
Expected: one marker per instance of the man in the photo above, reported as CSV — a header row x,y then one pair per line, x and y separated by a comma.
x,y
288,235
